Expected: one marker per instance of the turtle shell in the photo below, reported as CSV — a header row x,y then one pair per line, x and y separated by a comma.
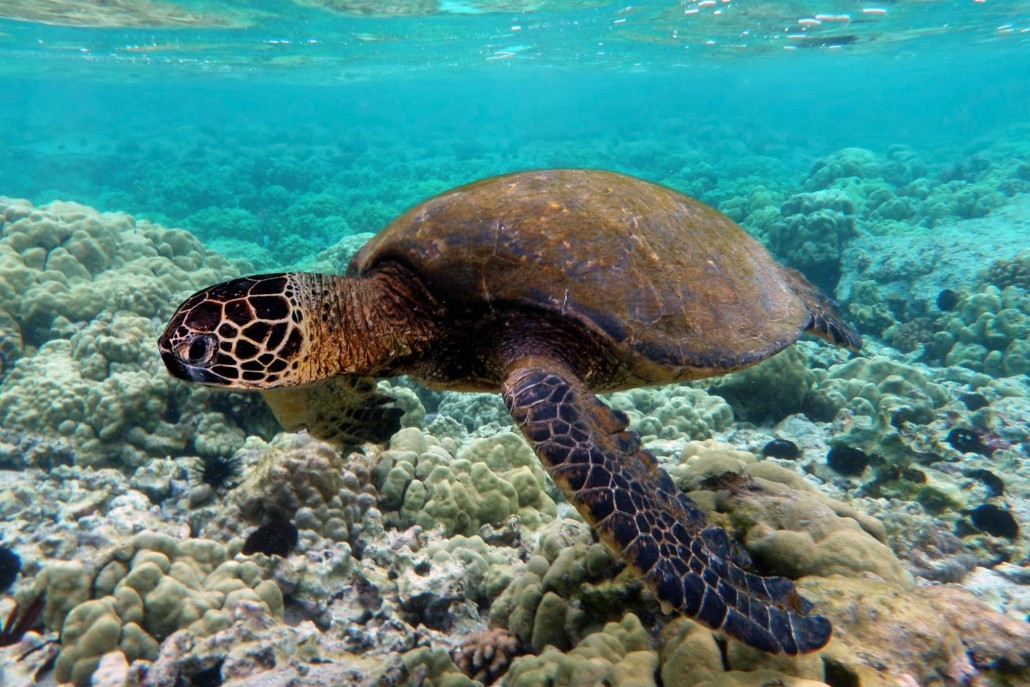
x,y
676,287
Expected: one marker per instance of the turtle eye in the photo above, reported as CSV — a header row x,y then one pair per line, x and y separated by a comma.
x,y
197,351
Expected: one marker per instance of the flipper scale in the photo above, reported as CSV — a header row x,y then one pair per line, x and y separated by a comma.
x,y
637,509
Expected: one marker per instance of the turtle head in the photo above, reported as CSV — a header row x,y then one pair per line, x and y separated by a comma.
x,y
244,334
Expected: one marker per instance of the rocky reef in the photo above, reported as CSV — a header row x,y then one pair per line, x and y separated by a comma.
x,y
447,557
83,298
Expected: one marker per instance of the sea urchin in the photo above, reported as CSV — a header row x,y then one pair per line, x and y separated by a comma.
x,y
219,472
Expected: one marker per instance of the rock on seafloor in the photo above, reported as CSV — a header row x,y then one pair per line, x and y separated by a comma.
x,y
451,547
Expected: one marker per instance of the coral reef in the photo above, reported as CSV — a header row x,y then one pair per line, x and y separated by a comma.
x,y
673,413
547,582
769,391
1012,272
432,483
911,335
486,655
690,656
896,278
620,654
873,386
149,589
450,550
899,186
302,480
563,592
786,524
941,634
475,411
812,234
555,604
256,644
989,331
72,513
85,294
488,567
29,662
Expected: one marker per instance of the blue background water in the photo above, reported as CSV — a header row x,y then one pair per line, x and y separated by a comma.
x,y
302,125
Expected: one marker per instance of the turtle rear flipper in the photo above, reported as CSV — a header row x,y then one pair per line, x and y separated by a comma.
x,y
824,317
638,510
346,409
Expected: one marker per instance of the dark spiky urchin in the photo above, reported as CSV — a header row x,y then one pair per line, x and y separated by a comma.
x,y
219,472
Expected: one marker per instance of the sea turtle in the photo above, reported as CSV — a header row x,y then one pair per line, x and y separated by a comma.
x,y
548,286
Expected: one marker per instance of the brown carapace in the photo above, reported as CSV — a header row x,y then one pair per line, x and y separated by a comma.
x,y
548,286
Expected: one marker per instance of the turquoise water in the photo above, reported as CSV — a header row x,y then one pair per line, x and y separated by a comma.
x,y
152,148
182,124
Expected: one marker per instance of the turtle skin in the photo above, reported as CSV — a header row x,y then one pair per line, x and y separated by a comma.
x,y
548,286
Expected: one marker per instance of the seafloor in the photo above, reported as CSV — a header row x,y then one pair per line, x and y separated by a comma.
x,y
449,550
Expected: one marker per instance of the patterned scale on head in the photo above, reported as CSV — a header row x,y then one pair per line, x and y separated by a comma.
x,y
243,333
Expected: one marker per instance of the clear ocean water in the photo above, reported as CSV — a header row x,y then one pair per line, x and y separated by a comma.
x,y
881,148
170,110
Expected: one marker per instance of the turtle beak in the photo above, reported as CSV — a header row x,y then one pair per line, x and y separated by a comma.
x,y
175,367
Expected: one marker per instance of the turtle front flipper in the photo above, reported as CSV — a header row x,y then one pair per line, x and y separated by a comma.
x,y
637,509
346,410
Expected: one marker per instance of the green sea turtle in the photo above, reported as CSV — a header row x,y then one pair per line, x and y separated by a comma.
x,y
548,286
